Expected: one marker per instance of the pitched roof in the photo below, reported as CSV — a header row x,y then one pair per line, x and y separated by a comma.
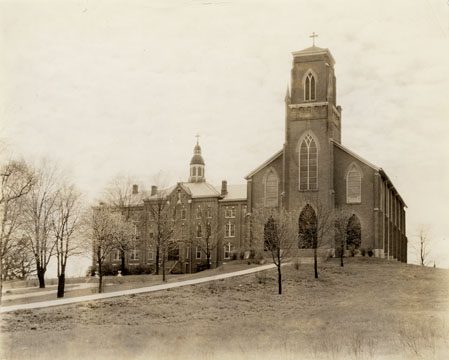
x,y
270,160
374,167
200,189
235,192
353,154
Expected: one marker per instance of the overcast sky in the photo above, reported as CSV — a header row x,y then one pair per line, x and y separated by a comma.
x,y
108,87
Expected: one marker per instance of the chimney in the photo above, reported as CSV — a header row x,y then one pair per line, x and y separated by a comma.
x,y
135,189
224,188
153,190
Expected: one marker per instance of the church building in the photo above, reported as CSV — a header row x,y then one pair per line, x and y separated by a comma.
x,y
313,170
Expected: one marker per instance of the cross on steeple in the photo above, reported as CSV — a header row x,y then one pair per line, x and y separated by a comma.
x,y
197,138
313,36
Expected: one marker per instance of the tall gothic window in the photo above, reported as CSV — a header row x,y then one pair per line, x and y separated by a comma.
x,y
271,189
353,185
308,164
309,87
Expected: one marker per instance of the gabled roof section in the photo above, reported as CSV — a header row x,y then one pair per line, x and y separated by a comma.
x,y
200,189
374,167
162,193
235,192
353,154
268,162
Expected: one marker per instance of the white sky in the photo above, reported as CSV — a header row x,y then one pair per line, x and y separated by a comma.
x,y
108,87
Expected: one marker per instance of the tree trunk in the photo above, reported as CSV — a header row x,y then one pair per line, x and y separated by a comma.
x,y
100,274
208,260
122,266
163,268
157,259
342,252
279,279
40,276
315,261
61,285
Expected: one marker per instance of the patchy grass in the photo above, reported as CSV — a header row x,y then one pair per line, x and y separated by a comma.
x,y
369,309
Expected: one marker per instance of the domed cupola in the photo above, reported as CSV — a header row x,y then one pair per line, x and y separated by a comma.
x,y
197,165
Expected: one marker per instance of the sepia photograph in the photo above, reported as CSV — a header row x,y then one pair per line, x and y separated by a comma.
x,y
224,179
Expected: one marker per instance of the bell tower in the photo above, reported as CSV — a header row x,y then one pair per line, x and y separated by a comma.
x,y
312,119
197,165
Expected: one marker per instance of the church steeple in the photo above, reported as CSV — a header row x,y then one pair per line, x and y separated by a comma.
x,y
197,164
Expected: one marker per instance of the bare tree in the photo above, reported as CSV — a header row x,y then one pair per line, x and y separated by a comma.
x,y
65,225
17,180
101,225
316,224
162,216
38,208
423,247
341,218
276,229
123,194
207,233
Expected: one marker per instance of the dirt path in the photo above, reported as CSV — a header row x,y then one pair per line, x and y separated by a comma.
x,y
49,303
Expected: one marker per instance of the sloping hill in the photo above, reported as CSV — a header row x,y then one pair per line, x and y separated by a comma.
x,y
371,308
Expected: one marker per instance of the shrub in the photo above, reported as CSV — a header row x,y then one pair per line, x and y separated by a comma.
x,y
338,252
370,252
138,270
363,251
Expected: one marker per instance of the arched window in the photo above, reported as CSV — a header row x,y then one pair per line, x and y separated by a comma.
x,y
307,228
353,185
309,87
194,171
271,189
199,171
308,164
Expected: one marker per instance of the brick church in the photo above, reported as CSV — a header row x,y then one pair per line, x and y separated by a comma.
x,y
312,167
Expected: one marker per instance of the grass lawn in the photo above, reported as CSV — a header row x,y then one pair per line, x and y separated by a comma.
x,y
369,309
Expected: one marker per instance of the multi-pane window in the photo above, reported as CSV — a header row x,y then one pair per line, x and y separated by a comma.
x,y
230,212
198,230
117,255
150,255
209,212
353,185
308,164
230,229
227,251
198,252
271,189
134,254
309,87
183,214
198,212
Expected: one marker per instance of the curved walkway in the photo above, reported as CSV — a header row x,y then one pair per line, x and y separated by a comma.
x,y
49,303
